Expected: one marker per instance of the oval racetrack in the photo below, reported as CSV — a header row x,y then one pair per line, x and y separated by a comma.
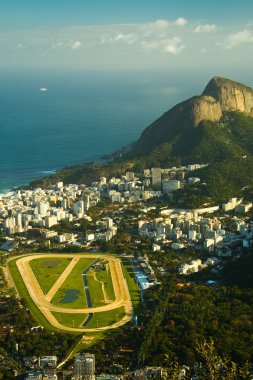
x,y
122,296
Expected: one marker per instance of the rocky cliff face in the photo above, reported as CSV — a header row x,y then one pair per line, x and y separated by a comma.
x,y
232,96
205,108
219,96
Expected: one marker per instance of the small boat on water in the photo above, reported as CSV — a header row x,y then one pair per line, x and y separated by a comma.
x,y
43,89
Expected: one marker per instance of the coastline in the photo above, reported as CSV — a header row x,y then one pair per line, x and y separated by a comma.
x,y
50,173
47,173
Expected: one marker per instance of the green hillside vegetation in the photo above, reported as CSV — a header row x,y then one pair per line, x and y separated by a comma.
x,y
184,316
228,148
83,174
209,142
174,319
239,272
226,145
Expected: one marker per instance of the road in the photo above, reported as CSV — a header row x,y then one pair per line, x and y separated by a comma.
x,y
122,296
7,276
61,279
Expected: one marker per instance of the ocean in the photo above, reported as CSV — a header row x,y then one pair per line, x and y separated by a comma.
x,y
81,117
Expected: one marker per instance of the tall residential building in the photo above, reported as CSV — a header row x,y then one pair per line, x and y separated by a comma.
x,y
50,221
9,222
150,373
171,185
59,185
84,367
130,176
48,367
109,222
86,200
64,203
103,180
156,177
42,208
18,219
78,208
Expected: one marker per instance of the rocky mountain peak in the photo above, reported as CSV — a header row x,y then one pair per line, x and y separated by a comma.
x,y
220,95
232,96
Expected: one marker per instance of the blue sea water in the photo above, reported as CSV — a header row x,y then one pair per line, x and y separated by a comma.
x,y
81,117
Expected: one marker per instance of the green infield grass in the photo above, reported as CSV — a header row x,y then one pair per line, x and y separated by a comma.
x,y
47,271
71,294
105,277
70,320
106,318
100,287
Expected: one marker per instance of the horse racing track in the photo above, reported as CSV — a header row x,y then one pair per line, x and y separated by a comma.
x,y
74,292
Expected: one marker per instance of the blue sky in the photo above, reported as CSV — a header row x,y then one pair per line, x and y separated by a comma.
x,y
214,36
31,13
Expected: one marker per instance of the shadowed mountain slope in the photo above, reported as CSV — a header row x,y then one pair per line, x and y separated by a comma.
x,y
220,95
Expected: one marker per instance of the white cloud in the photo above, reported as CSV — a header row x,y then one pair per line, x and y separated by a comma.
x,y
76,45
156,36
180,21
164,24
237,39
173,45
128,38
150,46
56,45
44,40
206,28
161,24
249,24
104,39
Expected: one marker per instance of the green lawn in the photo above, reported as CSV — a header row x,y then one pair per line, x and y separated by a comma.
x,y
84,344
73,282
97,295
70,320
107,318
132,286
47,271
106,278
95,290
